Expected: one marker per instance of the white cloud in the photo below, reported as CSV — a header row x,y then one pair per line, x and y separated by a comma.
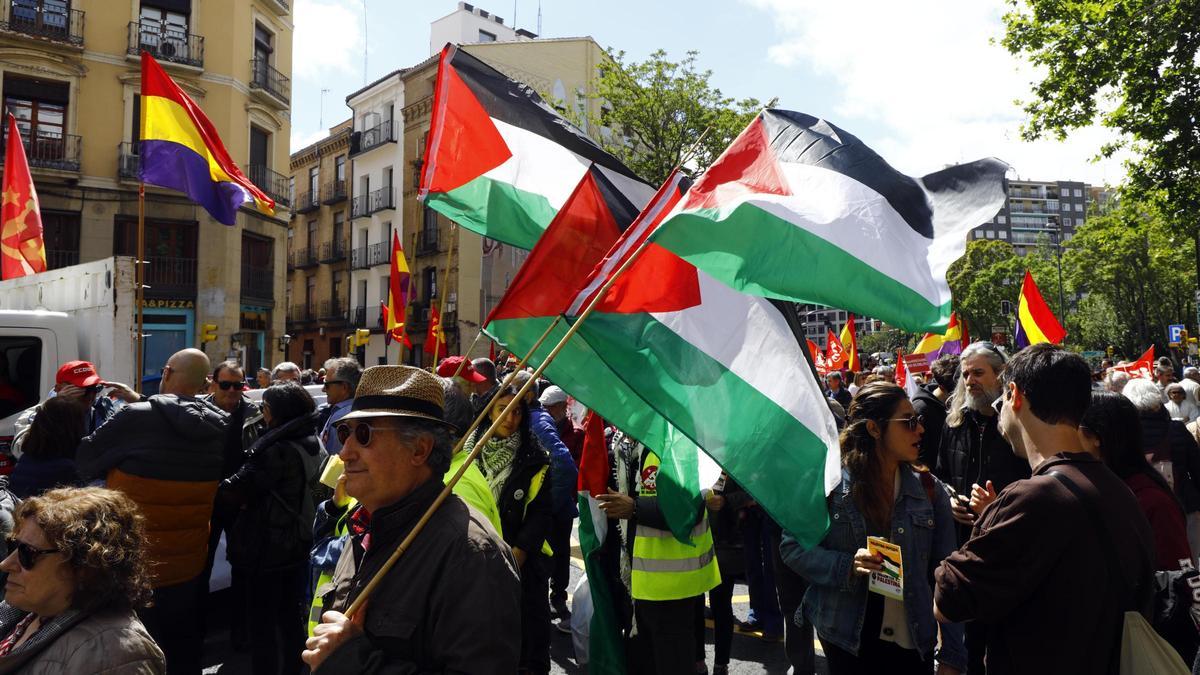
x,y
926,78
300,141
328,38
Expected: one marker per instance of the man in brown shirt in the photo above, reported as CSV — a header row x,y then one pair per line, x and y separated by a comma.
x,y
1036,569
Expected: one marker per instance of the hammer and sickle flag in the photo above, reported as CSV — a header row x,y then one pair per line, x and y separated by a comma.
x,y
22,250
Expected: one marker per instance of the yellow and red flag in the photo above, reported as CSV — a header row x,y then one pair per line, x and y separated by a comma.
x,y
435,339
22,250
850,345
1035,322
397,333
396,309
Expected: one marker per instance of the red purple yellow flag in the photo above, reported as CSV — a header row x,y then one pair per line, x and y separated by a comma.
x,y
22,250
398,284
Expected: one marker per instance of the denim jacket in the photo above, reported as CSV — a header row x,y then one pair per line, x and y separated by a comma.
x,y
836,600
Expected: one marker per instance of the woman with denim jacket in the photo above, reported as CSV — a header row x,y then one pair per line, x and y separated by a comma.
x,y
881,494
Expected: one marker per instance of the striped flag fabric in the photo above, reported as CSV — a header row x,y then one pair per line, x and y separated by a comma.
x,y
22,247
398,285
950,342
850,345
605,647
794,190
1034,319
181,150
499,160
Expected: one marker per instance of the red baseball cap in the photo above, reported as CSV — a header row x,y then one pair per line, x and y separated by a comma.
x,y
450,364
78,373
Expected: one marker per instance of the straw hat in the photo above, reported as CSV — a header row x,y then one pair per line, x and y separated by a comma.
x,y
397,391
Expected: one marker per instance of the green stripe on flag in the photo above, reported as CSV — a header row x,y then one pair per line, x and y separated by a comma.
x,y
606,654
496,210
782,257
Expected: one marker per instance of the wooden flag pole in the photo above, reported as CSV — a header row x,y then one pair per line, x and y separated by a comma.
x,y
444,292
463,363
139,279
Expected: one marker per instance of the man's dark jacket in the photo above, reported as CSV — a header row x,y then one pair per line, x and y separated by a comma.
x,y
934,413
974,452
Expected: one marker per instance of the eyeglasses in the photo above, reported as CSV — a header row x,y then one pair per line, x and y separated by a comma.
x,y
998,404
911,422
363,431
230,385
27,555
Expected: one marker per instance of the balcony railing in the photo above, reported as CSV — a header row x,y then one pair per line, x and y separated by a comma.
x,y
52,22
265,78
50,151
129,163
334,191
379,254
275,185
333,251
427,242
362,141
383,198
258,284
166,43
301,314
333,310
358,206
170,277
307,202
56,259
360,317
358,258
304,258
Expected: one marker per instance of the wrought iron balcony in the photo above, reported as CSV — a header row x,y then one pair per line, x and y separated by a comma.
x,y
51,21
301,314
50,151
358,206
369,139
383,198
333,251
170,277
129,162
379,254
56,259
307,202
263,77
304,258
360,317
428,242
258,284
333,310
166,43
334,191
275,185
358,258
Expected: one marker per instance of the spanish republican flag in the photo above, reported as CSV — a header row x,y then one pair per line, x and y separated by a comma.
x,y
950,342
397,303
1036,320
435,339
182,151
850,345
22,250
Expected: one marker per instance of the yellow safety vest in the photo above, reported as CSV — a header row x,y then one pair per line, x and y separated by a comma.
x,y
535,486
663,567
326,577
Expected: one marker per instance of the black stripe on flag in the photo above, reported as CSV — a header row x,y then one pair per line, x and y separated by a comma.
x,y
623,211
516,103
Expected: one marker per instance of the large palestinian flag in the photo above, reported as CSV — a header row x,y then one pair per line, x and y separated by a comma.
x,y
591,219
798,209
499,160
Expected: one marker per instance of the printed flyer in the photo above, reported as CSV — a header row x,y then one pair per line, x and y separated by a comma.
x,y
890,581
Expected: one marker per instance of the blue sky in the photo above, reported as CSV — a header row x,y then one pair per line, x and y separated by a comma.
x,y
920,82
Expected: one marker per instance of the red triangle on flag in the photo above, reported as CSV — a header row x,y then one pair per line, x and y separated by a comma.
x,y
746,167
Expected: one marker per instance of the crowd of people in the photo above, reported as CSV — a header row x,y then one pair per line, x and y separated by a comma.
x,y
1034,503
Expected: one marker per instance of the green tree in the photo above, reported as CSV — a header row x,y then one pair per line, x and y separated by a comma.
x,y
654,111
981,281
1133,66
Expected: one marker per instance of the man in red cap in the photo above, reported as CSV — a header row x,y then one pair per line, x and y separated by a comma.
x,y
466,373
78,381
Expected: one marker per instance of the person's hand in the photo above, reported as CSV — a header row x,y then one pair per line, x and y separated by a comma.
x,y
340,498
616,505
943,669
122,392
866,562
70,391
335,630
521,556
960,508
981,497
714,501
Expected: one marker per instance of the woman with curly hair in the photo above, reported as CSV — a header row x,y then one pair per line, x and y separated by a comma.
x,y
884,493
76,576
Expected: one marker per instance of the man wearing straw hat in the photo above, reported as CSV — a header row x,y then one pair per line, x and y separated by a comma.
x,y
452,601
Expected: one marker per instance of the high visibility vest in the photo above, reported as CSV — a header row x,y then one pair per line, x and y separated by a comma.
x,y
341,529
535,486
663,567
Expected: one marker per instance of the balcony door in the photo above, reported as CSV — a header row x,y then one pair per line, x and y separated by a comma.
x,y
163,28
40,107
259,142
44,17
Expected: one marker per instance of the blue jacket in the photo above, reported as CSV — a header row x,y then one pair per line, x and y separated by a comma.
x,y
836,600
564,475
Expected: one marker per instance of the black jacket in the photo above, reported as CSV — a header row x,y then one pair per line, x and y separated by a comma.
x,y
934,412
974,452
246,424
526,528
1162,437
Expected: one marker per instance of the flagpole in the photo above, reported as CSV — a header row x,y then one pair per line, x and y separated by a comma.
x,y
139,280
467,353
407,296
440,336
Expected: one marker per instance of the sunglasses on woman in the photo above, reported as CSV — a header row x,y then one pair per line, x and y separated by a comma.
x,y
911,422
27,555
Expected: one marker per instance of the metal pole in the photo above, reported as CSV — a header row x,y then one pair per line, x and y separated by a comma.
x,y
139,279
1062,316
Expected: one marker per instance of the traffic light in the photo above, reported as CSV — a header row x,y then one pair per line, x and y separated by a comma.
x,y
1109,351
362,336
208,332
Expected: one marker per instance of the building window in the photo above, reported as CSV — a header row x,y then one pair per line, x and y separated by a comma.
x,y
264,42
1001,219
310,294
1066,222
339,170
60,232
383,289
1003,234
989,234
135,127
1078,192
485,36
1078,207
977,234
429,283
40,107
312,237
1066,207
339,223
259,142
163,28
313,179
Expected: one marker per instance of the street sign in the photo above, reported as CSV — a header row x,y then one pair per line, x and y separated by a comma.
x,y
1092,355
1175,333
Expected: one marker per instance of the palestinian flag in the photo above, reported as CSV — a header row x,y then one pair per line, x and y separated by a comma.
x,y
499,160
1035,322
725,368
583,231
605,650
798,209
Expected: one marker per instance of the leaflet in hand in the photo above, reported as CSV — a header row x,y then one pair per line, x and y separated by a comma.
x,y
890,581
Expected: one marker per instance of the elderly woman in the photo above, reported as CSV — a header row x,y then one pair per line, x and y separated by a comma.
x,y
76,575
1179,405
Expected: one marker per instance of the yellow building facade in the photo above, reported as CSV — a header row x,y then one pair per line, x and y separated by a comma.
x,y
70,73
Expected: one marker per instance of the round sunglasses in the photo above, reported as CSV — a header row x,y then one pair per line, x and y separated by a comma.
x,y
362,432
911,422
27,555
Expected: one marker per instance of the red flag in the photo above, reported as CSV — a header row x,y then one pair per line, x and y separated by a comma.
x,y
22,250
593,458
397,333
818,358
491,351
836,355
1143,367
901,371
435,339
